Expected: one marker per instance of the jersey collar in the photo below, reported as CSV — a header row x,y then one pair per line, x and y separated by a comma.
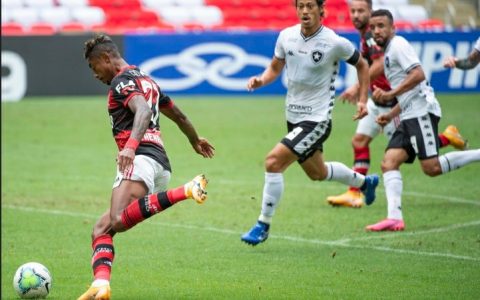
x,y
313,35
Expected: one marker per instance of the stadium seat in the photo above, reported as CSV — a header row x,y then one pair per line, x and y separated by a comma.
x,y
42,29
56,16
158,3
11,4
73,3
89,15
25,16
391,8
73,27
176,15
403,25
412,13
190,3
12,28
431,25
39,3
207,16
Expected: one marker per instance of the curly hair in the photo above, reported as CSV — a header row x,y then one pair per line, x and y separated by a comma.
x,y
100,44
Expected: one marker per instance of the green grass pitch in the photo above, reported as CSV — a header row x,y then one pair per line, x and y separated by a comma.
x,y
58,166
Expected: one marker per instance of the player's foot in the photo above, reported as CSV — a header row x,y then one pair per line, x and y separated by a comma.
x,y
455,138
258,234
387,225
97,293
348,199
195,189
371,182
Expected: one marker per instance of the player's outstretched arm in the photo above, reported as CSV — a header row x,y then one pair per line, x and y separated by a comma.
x,y
199,144
269,75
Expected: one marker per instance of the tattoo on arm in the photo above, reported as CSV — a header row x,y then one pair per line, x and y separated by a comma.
x,y
465,64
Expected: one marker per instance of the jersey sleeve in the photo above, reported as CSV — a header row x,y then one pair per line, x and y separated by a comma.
x,y
123,88
405,54
346,51
279,47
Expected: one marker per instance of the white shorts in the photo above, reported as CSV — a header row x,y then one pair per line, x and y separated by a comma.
x,y
369,127
146,169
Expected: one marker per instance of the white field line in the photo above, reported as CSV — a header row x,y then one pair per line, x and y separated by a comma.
x,y
375,235
339,243
325,185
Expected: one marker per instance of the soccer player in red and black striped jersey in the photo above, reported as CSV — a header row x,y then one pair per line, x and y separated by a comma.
x,y
367,128
140,188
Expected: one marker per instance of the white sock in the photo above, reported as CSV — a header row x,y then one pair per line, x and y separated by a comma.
x,y
272,193
392,180
339,172
457,159
100,282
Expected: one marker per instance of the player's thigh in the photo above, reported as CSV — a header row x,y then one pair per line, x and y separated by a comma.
x,y
393,158
139,182
279,158
315,167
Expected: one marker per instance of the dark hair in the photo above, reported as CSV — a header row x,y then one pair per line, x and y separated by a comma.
x,y
100,44
319,3
383,13
369,3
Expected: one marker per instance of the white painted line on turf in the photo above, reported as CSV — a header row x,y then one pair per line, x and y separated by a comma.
x,y
377,235
339,243
335,187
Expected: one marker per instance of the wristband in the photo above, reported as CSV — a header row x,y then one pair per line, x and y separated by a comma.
x,y
132,144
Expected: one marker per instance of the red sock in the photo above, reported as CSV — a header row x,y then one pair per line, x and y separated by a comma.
x,y
176,195
444,142
144,208
361,163
102,258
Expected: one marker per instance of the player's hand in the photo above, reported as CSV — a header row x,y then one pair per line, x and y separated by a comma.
x,y
361,111
449,62
125,159
383,119
204,148
254,83
350,95
381,95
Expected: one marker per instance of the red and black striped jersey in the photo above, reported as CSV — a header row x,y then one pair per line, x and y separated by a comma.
x,y
130,81
371,51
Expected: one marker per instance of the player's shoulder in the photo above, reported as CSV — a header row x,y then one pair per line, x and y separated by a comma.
x,y
290,31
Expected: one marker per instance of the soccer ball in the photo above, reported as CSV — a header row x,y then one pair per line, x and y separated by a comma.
x,y
32,281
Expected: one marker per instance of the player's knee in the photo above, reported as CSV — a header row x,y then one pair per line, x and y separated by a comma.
x,y
432,171
272,164
116,223
387,165
360,141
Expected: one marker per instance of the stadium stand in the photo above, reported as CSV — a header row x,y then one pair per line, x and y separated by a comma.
x,y
120,16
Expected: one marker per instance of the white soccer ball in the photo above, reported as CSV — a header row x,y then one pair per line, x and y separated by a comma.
x,y
32,281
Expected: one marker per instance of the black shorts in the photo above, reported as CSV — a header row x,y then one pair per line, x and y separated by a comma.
x,y
418,136
305,137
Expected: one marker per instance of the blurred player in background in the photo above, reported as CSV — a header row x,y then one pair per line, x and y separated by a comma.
x,y
420,113
311,54
367,128
470,62
140,189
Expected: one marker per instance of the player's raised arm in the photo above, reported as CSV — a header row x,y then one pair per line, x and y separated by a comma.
x,y
270,74
199,144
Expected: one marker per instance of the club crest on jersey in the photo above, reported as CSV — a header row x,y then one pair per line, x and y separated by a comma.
x,y
317,56
123,88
